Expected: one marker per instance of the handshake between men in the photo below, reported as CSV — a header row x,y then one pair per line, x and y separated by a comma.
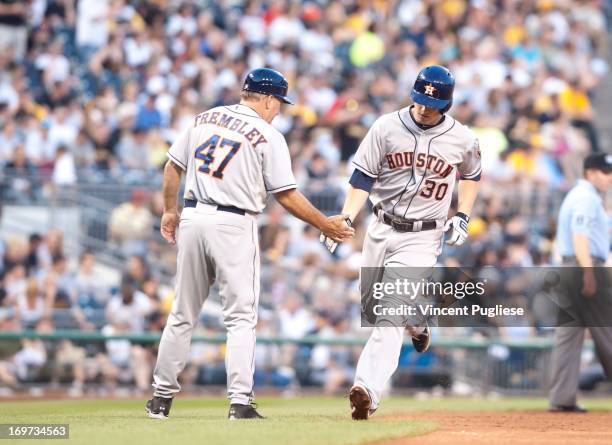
x,y
339,229
330,243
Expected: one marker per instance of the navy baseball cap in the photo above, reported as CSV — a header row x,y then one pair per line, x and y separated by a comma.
x,y
267,81
599,161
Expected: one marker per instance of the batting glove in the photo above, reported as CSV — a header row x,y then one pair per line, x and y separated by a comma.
x,y
329,243
459,224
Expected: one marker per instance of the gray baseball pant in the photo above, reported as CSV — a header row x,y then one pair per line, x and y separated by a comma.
x,y
384,247
222,246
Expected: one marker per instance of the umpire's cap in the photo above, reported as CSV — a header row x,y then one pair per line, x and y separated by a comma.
x,y
434,87
598,161
267,81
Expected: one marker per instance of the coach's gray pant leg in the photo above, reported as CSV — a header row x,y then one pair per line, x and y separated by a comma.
x,y
193,277
238,275
566,365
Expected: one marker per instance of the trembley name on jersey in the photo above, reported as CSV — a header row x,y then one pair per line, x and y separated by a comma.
x,y
223,120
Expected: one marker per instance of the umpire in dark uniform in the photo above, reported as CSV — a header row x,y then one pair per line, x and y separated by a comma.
x,y
583,240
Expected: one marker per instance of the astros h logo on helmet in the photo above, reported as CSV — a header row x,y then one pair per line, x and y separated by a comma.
x,y
429,90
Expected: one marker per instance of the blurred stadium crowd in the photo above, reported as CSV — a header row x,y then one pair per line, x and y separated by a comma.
x,y
94,91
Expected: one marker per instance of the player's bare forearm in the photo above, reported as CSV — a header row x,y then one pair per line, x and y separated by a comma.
x,y
296,203
467,193
582,251
354,202
172,181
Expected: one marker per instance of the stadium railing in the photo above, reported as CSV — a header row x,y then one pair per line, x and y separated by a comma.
x,y
465,366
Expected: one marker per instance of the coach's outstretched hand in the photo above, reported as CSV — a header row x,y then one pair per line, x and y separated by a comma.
x,y
337,229
169,222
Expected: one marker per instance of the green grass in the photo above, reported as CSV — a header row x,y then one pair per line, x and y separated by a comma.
x,y
300,421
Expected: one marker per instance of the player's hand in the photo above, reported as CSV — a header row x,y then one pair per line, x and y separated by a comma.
x,y
589,284
169,221
458,224
338,228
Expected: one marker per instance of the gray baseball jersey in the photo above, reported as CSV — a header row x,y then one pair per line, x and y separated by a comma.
x,y
416,169
233,157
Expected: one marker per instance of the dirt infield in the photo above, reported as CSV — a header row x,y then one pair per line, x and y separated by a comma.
x,y
511,428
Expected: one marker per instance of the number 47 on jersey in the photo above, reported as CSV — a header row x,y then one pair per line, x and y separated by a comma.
x,y
206,153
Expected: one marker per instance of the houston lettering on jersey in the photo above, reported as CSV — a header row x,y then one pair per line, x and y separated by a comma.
x,y
232,123
432,163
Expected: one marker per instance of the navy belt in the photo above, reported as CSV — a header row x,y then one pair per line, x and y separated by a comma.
x,y
406,225
231,209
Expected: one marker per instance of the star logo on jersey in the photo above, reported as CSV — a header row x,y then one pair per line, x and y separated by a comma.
x,y
430,90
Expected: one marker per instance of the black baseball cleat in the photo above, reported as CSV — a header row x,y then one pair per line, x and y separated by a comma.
x,y
237,412
422,341
567,409
361,404
158,408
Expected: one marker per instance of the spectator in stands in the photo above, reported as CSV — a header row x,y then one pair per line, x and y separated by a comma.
x,y
31,305
15,252
53,247
273,234
92,293
33,261
9,138
130,224
62,298
26,365
127,313
54,66
133,149
148,116
91,26
332,365
64,171
271,367
306,244
23,184
136,272
13,28
294,317
70,362
128,310
13,282
575,103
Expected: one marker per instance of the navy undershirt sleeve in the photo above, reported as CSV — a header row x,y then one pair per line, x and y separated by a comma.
x,y
360,180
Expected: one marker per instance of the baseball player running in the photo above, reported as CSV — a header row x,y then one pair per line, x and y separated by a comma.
x,y
232,158
407,165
